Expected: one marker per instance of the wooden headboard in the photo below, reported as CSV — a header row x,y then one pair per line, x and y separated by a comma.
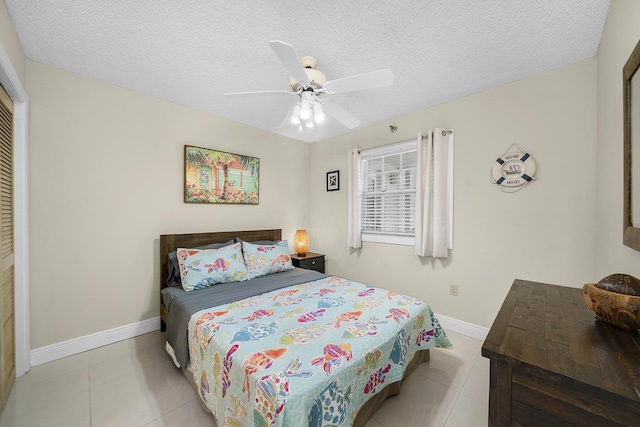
x,y
171,242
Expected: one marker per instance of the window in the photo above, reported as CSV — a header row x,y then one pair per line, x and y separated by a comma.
x,y
403,194
388,193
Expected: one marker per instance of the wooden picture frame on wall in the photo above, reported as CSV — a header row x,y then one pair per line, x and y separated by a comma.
x,y
333,181
631,132
219,177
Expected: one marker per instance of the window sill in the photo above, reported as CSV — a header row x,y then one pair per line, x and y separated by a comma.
x,y
393,240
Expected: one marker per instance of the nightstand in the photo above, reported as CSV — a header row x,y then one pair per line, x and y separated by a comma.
x,y
310,262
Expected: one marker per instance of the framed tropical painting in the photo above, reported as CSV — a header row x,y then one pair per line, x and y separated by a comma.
x,y
212,176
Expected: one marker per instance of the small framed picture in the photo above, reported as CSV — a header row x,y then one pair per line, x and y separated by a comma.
x,y
333,181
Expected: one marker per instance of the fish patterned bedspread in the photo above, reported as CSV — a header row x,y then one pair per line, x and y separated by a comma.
x,y
316,352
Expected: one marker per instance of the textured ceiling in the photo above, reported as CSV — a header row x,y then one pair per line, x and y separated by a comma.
x,y
192,51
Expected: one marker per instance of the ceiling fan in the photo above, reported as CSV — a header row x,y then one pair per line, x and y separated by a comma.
x,y
311,85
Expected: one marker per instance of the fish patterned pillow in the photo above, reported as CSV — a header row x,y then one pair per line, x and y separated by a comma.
x,y
200,268
266,259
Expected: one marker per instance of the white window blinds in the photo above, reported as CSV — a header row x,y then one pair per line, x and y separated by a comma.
x,y
388,185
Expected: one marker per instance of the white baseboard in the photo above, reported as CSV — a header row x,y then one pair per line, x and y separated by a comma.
x,y
462,327
59,350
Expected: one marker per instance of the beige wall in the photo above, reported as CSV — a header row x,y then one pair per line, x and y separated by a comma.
x,y
621,34
545,232
11,44
106,180
106,176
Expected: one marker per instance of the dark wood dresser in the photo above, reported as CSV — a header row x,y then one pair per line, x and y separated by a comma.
x,y
554,364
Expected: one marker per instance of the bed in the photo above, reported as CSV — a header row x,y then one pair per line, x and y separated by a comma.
x,y
292,345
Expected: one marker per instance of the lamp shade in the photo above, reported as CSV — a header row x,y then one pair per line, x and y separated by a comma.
x,y
295,117
305,109
318,113
301,242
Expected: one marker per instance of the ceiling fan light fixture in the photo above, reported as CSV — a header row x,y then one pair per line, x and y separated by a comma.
x,y
318,113
309,123
295,117
305,109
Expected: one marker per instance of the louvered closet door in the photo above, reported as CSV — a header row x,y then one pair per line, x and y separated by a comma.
x,y
7,331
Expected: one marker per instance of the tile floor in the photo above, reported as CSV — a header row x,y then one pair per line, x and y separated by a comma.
x,y
134,383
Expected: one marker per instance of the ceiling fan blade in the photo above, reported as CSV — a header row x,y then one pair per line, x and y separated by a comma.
x,y
341,115
260,93
289,58
372,80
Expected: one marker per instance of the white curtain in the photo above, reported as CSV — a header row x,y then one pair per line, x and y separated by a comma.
x,y
354,223
434,196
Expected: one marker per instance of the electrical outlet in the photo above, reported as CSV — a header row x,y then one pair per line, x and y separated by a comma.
x,y
453,290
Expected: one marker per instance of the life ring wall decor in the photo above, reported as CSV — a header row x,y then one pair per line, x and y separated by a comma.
x,y
513,170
